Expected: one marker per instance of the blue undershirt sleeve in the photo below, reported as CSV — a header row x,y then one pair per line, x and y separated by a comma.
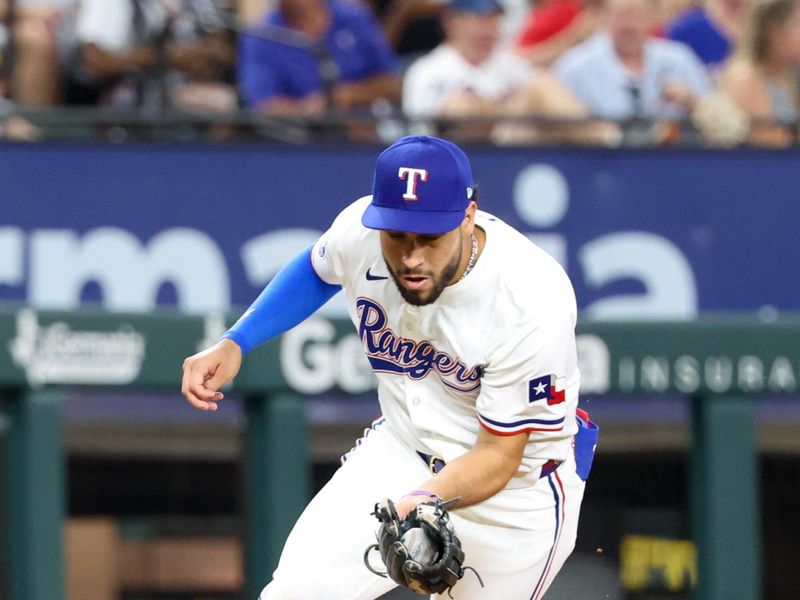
x,y
293,295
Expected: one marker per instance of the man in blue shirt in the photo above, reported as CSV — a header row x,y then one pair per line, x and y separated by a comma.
x,y
310,55
621,72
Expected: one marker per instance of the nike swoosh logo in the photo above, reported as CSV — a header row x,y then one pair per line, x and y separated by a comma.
x,y
371,277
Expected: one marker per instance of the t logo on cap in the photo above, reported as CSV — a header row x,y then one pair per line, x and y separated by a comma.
x,y
412,176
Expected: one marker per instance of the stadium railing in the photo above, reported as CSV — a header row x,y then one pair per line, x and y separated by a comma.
x,y
383,125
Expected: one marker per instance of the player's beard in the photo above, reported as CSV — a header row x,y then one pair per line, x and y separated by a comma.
x,y
423,298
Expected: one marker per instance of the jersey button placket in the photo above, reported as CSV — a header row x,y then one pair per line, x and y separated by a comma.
x,y
411,319
415,401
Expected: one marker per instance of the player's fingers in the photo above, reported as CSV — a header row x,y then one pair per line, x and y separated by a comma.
x,y
197,402
202,404
194,396
190,397
193,389
203,398
216,379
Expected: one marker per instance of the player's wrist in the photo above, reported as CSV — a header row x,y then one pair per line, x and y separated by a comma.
x,y
423,494
234,341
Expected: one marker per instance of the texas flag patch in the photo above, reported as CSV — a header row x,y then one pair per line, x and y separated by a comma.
x,y
547,387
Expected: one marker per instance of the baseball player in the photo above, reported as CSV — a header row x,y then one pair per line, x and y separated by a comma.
x,y
469,328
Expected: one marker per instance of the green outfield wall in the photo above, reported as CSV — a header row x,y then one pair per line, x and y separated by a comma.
x,y
723,364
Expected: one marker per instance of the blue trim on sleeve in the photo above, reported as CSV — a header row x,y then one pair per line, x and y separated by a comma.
x,y
293,295
523,422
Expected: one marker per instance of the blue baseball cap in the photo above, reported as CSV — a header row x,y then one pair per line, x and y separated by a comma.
x,y
477,6
422,185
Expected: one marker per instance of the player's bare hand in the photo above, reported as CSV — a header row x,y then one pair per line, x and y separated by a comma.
x,y
410,501
206,372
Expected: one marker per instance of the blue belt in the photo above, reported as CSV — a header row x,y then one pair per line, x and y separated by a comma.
x,y
436,464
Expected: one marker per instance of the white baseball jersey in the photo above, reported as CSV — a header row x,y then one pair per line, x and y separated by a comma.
x,y
495,350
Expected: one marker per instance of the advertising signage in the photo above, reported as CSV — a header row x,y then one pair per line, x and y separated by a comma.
x,y
643,234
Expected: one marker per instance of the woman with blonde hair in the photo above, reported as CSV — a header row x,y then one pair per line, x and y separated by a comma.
x,y
763,78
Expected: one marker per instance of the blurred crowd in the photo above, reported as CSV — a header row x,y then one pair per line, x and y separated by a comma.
x,y
511,71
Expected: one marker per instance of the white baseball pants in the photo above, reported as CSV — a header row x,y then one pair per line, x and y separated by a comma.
x,y
517,540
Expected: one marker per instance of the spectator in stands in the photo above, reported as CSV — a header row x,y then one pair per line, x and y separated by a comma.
x,y
39,40
310,55
712,30
621,72
469,75
553,26
155,54
764,75
412,26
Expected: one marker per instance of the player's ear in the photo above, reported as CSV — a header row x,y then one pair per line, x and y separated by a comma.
x,y
468,225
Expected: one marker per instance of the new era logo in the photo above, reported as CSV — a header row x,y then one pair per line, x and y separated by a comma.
x,y
548,387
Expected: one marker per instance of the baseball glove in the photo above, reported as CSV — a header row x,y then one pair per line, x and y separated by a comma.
x,y
421,551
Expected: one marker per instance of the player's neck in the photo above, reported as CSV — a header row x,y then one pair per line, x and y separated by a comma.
x,y
470,254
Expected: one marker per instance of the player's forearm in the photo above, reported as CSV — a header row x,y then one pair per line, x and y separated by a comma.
x,y
293,295
477,475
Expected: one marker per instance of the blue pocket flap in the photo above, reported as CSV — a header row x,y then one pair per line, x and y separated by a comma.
x,y
585,444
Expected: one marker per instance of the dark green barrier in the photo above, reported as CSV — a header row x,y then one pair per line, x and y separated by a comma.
x,y
722,364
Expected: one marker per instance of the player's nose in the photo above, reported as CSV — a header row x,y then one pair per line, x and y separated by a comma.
x,y
413,259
